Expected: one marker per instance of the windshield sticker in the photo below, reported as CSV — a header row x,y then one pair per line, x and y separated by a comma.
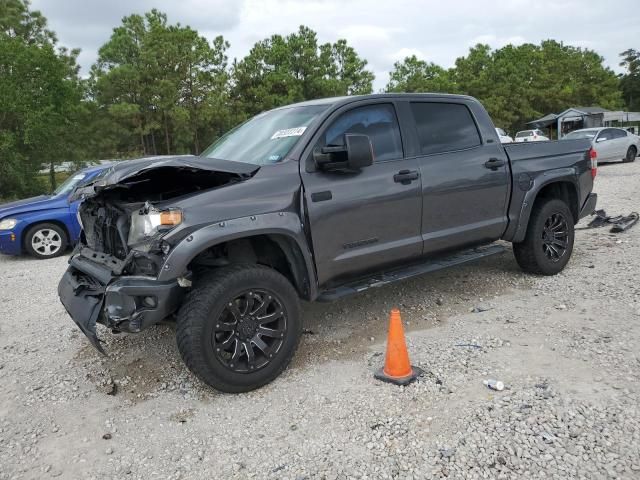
x,y
289,132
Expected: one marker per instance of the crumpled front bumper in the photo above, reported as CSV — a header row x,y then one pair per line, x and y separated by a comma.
x,y
92,294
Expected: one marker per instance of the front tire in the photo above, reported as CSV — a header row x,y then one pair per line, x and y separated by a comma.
x,y
631,154
45,240
239,327
548,243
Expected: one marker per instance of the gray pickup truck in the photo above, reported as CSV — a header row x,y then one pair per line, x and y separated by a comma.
x,y
313,201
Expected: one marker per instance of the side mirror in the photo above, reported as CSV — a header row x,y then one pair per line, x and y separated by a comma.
x,y
359,151
356,153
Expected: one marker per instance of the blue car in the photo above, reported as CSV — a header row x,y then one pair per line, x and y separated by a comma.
x,y
44,226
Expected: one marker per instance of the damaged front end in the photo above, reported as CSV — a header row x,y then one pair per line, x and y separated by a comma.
x,y
126,216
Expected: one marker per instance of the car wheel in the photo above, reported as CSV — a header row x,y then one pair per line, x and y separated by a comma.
x,y
46,240
548,243
631,154
239,327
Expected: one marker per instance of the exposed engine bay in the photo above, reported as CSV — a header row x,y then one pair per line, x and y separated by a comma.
x,y
124,215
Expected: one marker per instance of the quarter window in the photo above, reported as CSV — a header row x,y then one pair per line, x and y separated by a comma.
x,y
444,127
379,122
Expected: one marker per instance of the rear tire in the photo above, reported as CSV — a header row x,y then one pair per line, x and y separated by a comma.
x,y
631,154
239,327
548,243
45,240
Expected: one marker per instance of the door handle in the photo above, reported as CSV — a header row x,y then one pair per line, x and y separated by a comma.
x,y
494,163
405,177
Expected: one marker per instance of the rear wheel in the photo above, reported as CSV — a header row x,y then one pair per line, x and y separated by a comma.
x,y
631,154
239,327
45,240
548,244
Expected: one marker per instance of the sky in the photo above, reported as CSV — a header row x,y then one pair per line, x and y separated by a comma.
x,y
382,32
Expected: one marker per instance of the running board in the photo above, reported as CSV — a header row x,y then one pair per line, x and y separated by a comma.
x,y
431,265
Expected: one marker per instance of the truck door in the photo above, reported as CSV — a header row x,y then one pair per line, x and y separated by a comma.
x,y
368,219
465,181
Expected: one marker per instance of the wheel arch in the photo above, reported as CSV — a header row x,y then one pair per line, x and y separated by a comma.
x,y
275,242
37,222
563,188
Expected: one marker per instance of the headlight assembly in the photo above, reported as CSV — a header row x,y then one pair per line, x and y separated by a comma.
x,y
8,223
147,223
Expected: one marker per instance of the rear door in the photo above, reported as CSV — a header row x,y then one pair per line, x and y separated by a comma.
x,y
606,147
620,141
366,220
465,179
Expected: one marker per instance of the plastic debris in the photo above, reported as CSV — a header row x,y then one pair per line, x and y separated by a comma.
x,y
496,385
618,224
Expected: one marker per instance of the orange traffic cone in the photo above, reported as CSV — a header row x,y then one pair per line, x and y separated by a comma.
x,y
397,368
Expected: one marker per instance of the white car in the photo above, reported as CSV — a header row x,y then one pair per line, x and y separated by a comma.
x,y
531,136
504,138
610,144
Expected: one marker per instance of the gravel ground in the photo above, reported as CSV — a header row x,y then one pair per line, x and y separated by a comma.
x,y
567,347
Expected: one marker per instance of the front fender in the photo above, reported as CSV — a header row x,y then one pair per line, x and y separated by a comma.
x,y
279,223
525,194
56,215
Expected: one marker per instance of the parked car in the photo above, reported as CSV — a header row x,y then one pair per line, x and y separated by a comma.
x,y
610,144
317,200
531,136
44,226
504,138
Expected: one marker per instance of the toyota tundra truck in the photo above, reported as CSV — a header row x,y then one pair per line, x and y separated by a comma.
x,y
313,201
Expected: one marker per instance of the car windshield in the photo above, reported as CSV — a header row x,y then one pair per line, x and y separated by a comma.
x,y
266,138
524,133
581,134
70,183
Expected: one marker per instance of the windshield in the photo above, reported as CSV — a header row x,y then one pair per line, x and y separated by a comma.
x,y
69,184
266,138
581,134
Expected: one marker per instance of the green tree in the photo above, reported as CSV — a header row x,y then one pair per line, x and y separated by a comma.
x,y
520,83
414,75
40,100
165,82
281,70
630,81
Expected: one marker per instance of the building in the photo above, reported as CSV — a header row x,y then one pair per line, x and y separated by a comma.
x,y
575,118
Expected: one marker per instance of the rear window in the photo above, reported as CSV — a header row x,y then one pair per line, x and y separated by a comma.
x,y
444,127
524,133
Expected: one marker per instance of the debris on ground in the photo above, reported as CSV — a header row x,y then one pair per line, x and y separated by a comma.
x,y
496,385
619,223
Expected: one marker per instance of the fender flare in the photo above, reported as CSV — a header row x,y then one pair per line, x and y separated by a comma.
x,y
284,224
517,230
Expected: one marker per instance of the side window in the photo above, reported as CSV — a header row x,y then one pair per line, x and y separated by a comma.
x,y
604,135
379,122
618,133
444,127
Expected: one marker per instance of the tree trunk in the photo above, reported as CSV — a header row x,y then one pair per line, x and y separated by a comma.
x,y
144,151
166,133
52,175
153,142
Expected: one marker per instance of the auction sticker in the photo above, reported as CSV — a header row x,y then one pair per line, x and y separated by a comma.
x,y
289,132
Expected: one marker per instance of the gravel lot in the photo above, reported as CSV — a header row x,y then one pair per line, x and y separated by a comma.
x,y
567,347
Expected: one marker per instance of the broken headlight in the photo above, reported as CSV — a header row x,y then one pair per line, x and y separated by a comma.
x,y
148,222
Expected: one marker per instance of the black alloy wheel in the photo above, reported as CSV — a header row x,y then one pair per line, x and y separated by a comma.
x,y
250,331
555,237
